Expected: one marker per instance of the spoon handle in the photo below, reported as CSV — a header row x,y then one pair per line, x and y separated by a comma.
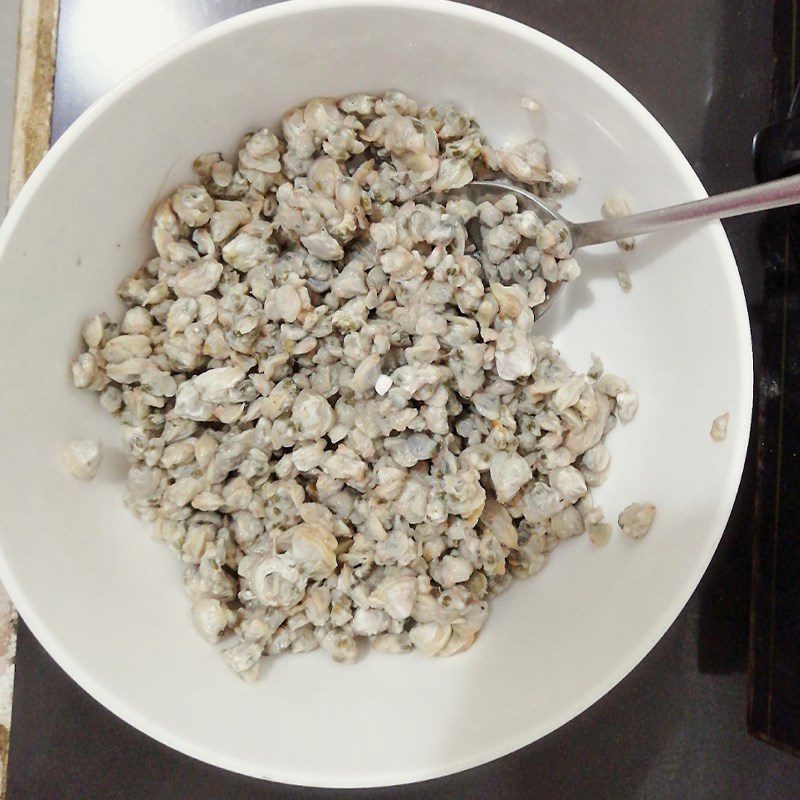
x,y
783,192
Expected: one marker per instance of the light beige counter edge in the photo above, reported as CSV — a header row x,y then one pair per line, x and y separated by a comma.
x,y
33,101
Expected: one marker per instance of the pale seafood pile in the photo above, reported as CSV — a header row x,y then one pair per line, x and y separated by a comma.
x,y
338,413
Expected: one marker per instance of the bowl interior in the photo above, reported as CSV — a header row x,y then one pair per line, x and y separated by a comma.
x,y
106,599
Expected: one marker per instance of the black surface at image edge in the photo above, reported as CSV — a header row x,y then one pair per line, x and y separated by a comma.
x,y
774,658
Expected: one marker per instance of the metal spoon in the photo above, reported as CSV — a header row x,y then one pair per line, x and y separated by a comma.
x,y
774,194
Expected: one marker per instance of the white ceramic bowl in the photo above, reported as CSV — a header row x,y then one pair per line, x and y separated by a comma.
x,y
106,600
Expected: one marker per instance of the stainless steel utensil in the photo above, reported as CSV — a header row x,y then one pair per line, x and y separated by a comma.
x,y
774,194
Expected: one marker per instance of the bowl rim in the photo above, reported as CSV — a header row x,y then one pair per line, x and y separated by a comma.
x,y
738,434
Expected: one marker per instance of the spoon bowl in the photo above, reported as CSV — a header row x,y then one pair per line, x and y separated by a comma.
x,y
490,192
774,194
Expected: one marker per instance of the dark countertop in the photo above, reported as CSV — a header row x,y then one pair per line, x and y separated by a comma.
x,y
676,726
